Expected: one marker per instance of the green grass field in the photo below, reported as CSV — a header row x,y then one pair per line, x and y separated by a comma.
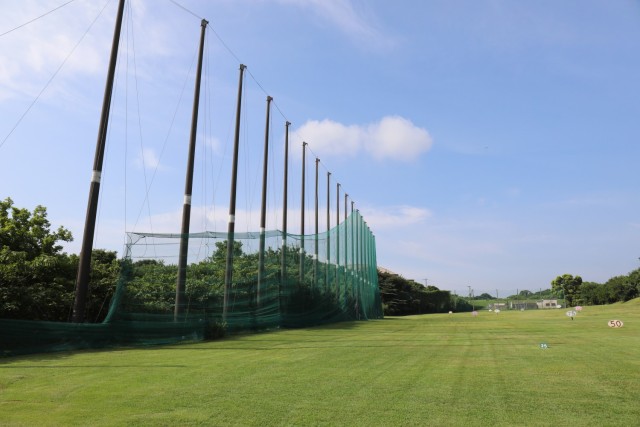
x,y
422,370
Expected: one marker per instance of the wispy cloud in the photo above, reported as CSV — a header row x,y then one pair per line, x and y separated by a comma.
x,y
35,51
357,23
394,216
393,137
149,160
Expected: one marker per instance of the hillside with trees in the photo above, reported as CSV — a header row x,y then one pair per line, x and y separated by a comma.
x,y
616,289
401,297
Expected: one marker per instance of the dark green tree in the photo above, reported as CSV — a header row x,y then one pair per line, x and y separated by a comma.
x,y
569,286
592,293
621,288
401,296
37,280
27,232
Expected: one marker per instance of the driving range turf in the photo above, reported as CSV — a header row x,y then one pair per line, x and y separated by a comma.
x,y
535,367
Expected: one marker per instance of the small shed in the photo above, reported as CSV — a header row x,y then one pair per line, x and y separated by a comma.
x,y
548,303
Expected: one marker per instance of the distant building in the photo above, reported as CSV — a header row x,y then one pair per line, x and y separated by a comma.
x,y
548,303
522,305
498,306
387,271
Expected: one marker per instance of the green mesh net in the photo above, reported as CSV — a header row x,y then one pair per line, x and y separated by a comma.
x,y
276,280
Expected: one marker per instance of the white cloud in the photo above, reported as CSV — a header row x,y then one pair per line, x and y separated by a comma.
x,y
213,142
396,137
358,24
36,50
332,137
394,216
393,137
149,160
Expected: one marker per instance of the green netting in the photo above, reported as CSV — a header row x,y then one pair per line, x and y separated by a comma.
x,y
295,281
305,280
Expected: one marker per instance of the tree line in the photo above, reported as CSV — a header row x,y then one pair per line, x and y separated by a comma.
x,y
37,279
616,289
401,297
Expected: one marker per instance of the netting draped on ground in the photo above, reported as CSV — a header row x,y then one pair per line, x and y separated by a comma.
x,y
276,280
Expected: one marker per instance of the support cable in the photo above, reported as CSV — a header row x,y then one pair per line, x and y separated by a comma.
x,y
36,18
4,140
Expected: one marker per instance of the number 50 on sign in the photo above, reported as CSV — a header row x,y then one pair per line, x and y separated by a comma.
x,y
616,324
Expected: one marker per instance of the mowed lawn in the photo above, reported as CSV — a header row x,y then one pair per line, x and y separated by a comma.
x,y
422,370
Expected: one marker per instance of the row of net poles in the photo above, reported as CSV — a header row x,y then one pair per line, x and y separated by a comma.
x,y
364,277
345,275
354,273
186,207
327,270
283,265
263,208
302,256
357,262
315,238
337,276
367,259
228,276
363,265
374,276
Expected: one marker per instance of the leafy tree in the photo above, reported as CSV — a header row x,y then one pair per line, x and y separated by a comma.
x,y
403,297
23,231
37,281
485,296
569,286
592,293
621,288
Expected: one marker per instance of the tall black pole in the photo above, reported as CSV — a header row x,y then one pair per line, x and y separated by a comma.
x,y
228,276
84,263
338,240
326,269
346,239
315,253
359,256
285,207
186,207
354,277
263,205
304,161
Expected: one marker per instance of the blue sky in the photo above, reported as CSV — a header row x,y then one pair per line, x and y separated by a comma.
x,y
490,144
